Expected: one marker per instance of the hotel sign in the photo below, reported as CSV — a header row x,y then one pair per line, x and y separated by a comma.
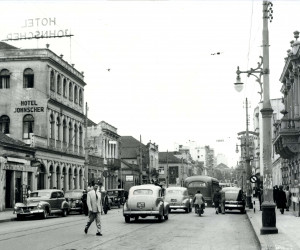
x,y
29,107
36,28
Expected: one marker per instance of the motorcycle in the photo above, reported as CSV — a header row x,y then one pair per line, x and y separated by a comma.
x,y
199,209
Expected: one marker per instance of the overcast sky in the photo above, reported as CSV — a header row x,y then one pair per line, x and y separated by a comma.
x,y
166,80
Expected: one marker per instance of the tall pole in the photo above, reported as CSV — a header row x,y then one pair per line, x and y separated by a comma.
x,y
248,166
268,205
167,169
141,165
86,158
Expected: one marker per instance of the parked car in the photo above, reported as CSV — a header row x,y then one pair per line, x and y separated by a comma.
x,y
116,196
234,199
178,198
43,203
74,198
145,200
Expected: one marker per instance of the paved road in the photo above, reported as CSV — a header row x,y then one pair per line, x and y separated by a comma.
x,y
181,231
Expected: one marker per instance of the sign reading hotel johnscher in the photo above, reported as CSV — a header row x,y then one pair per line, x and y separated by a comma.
x,y
29,107
36,28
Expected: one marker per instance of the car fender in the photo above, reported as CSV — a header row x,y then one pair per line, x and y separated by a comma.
x,y
65,205
166,207
45,205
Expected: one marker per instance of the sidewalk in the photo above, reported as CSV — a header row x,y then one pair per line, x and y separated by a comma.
x,y
288,225
7,215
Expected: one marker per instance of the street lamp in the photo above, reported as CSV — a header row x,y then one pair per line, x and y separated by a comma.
x,y
268,205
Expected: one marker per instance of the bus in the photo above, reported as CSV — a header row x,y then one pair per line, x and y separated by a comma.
x,y
206,184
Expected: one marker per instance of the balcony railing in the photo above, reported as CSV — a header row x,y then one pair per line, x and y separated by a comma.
x,y
286,135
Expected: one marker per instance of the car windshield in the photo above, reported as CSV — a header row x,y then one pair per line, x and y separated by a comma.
x,y
170,192
112,193
42,194
74,195
197,184
143,192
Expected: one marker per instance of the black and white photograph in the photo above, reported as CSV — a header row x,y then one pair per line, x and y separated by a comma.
x,y
149,124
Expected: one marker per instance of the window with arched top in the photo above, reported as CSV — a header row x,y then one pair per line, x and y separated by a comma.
x,y
80,97
76,135
28,125
52,81
51,127
80,136
70,133
28,78
70,91
65,87
58,84
58,128
75,94
4,79
4,124
64,131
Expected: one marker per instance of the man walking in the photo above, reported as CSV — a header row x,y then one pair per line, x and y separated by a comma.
x,y
94,206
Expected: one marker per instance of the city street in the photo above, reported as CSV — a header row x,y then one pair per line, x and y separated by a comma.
x,y
181,231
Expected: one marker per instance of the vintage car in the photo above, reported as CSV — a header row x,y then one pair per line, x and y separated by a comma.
x,y
145,200
178,198
43,203
74,198
234,199
116,196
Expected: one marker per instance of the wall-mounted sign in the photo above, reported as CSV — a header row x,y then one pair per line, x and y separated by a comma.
x,y
129,178
37,28
29,107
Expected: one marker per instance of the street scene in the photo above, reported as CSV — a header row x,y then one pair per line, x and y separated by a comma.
x,y
150,124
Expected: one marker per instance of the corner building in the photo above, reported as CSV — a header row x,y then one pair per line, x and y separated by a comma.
x,y
41,104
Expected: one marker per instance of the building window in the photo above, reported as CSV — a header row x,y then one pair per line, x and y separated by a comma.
x,y
58,84
52,86
70,133
51,127
80,97
64,131
28,77
4,79
65,88
75,94
70,92
28,125
4,124
58,129
76,135
80,136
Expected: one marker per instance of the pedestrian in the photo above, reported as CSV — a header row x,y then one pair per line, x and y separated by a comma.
x,y
84,202
281,199
28,191
217,200
259,195
288,195
198,201
275,193
222,201
94,205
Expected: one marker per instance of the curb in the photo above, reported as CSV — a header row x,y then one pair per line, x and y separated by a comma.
x,y
255,231
7,220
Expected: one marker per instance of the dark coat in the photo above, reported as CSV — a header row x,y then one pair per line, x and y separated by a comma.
x,y
217,198
281,199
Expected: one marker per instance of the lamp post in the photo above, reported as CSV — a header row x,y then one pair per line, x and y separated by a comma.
x,y
268,205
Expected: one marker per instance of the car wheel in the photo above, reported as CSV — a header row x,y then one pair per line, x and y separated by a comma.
x,y
169,210
136,218
127,219
186,210
65,212
45,214
243,211
166,217
119,205
20,217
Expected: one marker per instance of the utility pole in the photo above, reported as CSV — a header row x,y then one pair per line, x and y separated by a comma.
x,y
86,159
167,169
141,165
248,165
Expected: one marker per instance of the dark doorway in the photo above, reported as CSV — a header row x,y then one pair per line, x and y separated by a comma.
x,y
18,186
8,189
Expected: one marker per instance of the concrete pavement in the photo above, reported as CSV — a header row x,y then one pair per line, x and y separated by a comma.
x,y
288,225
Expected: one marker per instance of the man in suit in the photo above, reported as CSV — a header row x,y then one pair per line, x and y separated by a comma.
x,y
94,206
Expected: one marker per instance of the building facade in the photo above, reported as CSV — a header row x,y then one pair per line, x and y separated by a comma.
x,y
41,104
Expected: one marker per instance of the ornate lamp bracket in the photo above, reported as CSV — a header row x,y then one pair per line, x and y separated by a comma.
x,y
257,73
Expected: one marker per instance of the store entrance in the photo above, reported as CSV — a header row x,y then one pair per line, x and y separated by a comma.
x,y
9,189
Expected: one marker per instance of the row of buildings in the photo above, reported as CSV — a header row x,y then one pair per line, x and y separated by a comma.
x,y
46,140
285,132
